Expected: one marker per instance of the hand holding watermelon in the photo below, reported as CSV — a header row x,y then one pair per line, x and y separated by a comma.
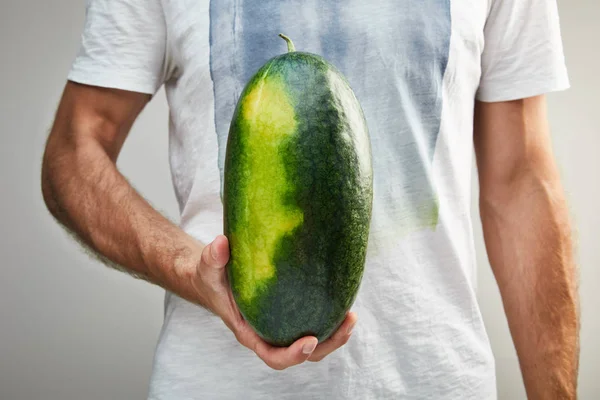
x,y
215,294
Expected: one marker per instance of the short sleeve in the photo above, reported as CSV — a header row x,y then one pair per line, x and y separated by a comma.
x,y
123,46
523,51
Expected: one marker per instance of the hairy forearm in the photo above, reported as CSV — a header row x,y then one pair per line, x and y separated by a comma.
x,y
86,193
528,238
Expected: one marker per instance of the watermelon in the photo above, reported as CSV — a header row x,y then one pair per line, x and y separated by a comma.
x,y
297,197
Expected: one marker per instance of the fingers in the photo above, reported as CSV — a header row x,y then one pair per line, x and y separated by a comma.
x,y
337,340
284,357
306,348
278,358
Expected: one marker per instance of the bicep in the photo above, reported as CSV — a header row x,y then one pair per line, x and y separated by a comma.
x,y
511,140
91,113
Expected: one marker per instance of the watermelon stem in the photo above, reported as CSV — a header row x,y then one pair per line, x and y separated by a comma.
x,y
290,44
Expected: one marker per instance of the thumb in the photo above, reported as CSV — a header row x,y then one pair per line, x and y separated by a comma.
x,y
216,254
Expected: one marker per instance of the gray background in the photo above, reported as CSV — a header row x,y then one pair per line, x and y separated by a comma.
x,y
73,329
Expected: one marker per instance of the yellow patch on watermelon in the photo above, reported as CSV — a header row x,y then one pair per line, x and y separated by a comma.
x,y
269,122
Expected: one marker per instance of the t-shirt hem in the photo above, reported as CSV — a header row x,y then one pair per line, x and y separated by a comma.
x,y
113,79
521,90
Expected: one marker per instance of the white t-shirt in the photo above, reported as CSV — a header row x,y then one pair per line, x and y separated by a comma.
x,y
417,68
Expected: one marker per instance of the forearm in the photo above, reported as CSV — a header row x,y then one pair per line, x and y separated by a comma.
x,y
527,233
86,193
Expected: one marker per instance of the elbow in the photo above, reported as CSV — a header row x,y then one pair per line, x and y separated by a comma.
x,y
48,184
53,171
532,195
50,200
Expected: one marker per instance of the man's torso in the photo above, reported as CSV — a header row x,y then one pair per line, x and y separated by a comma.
x,y
415,68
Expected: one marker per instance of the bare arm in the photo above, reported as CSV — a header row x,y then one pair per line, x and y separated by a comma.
x,y
84,190
528,239
86,193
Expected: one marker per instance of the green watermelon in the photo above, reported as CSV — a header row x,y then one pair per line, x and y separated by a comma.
x,y
297,196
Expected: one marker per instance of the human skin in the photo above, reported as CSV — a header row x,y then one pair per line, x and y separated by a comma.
x,y
81,186
527,234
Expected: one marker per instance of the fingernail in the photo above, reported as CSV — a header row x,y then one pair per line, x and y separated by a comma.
x,y
309,347
349,331
213,251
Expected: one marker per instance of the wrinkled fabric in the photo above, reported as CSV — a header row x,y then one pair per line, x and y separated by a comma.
x,y
417,68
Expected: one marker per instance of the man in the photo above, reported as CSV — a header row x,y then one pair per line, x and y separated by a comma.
x,y
431,75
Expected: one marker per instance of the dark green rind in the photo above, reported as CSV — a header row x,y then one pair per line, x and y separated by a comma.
x,y
319,266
